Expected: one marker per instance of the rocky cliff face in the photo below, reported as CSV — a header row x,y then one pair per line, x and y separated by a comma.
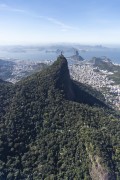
x,y
62,78
98,171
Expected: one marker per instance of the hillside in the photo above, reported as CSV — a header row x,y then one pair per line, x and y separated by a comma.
x,y
13,71
107,65
6,89
52,128
6,68
103,63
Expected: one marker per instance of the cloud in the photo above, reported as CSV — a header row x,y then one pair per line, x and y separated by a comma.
x,y
63,27
4,7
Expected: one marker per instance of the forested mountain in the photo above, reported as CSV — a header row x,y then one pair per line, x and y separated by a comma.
x,y
103,63
107,65
52,128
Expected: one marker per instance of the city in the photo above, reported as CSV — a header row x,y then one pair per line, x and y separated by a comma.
x,y
86,73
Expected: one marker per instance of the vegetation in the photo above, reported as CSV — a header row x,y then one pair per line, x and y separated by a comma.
x,y
116,76
51,128
6,68
109,66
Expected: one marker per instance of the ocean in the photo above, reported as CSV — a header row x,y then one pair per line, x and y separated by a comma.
x,y
36,55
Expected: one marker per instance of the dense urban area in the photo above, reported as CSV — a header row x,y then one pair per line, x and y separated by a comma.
x,y
87,73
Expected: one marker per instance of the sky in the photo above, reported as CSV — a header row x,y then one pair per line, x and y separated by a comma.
x,y
57,21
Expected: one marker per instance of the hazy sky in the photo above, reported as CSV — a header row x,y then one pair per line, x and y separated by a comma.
x,y
43,21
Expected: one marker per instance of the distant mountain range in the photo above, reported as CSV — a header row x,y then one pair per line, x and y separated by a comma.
x,y
52,48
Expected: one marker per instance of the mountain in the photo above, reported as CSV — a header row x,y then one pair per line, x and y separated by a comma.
x,y
103,63
107,65
77,57
52,128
